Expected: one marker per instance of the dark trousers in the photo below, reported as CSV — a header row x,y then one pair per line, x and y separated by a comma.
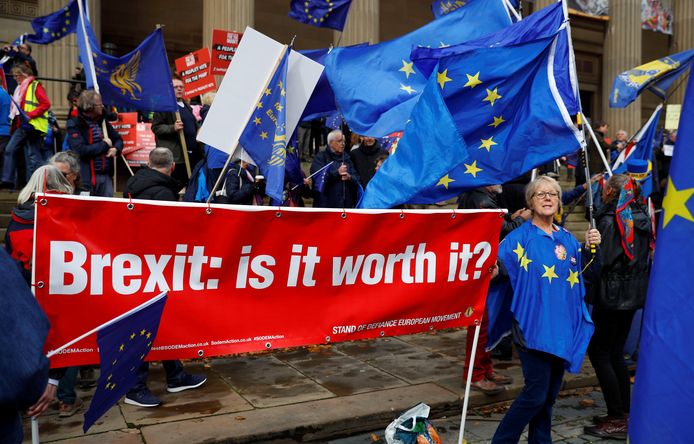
x,y
543,374
174,373
606,353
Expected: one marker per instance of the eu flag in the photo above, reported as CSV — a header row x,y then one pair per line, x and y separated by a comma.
x,y
265,135
322,13
443,7
663,400
641,148
377,86
656,76
123,346
506,103
416,163
138,80
55,25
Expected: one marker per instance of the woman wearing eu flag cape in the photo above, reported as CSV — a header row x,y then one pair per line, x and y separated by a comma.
x,y
550,323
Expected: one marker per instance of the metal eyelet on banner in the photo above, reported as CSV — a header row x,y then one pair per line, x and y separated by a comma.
x,y
327,339
278,213
40,284
201,353
131,206
477,322
383,334
208,210
453,215
431,328
268,345
344,214
501,215
402,214
43,201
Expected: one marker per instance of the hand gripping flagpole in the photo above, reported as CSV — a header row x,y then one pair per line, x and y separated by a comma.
x,y
250,114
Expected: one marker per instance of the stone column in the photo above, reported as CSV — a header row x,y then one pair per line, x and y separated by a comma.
x,y
622,52
682,38
230,15
362,24
539,4
59,59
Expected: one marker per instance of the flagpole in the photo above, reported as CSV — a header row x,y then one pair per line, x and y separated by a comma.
x,y
468,381
250,114
594,138
510,7
317,172
106,324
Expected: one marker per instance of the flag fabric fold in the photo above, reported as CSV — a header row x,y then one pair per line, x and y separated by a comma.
x,y
377,86
663,398
429,146
139,80
506,104
265,136
123,346
656,76
321,13
56,25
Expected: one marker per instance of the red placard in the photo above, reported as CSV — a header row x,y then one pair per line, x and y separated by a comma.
x,y
138,138
254,278
194,68
224,44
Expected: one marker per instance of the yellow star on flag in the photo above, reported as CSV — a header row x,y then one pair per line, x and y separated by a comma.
x,y
263,135
445,180
268,91
497,121
148,335
573,278
290,149
132,336
473,81
675,203
472,169
257,121
407,69
488,143
142,333
122,347
525,261
278,106
549,273
492,96
259,105
442,78
519,250
407,88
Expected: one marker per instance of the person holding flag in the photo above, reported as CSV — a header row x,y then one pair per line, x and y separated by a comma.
x,y
338,187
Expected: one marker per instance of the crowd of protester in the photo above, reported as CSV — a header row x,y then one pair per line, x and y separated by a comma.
x,y
615,281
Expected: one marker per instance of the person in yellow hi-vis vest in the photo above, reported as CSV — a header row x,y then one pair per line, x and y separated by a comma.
x,y
29,115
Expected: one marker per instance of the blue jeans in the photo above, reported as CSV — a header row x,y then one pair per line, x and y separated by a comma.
x,y
31,141
66,387
543,374
174,374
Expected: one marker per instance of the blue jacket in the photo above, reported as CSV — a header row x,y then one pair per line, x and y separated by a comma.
x,y
4,113
336,193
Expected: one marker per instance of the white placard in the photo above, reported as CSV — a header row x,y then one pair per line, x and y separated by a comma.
x,y
250,70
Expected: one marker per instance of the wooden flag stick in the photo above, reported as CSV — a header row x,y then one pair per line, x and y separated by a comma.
x,y
184,146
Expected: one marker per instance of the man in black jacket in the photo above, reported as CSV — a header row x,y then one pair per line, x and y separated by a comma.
x,y
154,182
335,185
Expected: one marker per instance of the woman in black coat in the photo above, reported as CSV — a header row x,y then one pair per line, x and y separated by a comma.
x,y
626,232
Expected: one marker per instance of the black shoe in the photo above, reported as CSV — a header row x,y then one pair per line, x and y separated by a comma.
x,y
610,429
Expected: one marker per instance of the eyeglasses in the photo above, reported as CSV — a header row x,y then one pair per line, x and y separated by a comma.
x,y
542,194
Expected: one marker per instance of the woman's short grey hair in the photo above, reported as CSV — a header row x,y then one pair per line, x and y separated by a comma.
x,y
333,135
87,100
48,176
208,98
68,158
532,187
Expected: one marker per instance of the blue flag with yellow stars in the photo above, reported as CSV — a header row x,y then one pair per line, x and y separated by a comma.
x,y
663,394
443,7
265,135
321,13
416,163
656,76
123,346
56,25
507,103
139,80
377,86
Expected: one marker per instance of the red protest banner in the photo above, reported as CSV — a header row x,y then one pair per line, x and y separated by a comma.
x,y
224,44
254,278
138,138
194,68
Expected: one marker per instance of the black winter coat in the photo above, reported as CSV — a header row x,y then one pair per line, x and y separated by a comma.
x,y
623,283
480,198
336,192
152,185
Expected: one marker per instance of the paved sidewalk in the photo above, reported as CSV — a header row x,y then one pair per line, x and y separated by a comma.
x,y
307,394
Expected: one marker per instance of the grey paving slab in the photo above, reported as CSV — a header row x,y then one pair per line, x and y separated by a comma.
x,y
131,436
310,421
265,381
418,367
451,341
54,428
213,398
372,349
344,375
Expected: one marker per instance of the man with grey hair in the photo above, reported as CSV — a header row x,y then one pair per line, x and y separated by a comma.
x,y
154,182
68,163
337,181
